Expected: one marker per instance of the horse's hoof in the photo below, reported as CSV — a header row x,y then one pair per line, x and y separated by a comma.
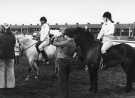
x,y
55,76
128,90
36,77
47,62
27,78
93,90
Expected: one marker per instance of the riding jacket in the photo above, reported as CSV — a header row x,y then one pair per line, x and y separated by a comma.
x,y
44,33
107,31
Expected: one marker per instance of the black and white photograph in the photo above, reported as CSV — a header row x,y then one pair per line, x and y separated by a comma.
x,y
67,49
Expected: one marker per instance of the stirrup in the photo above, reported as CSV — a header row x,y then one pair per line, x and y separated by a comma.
x,y
101,65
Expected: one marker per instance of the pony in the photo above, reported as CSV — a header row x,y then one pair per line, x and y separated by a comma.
x,y
27,45
120,54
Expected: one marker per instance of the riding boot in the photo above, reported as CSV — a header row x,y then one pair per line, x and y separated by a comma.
x,y
103,65
44,55
105,54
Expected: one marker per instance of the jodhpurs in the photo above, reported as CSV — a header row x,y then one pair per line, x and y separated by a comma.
x,y
43,45
107,43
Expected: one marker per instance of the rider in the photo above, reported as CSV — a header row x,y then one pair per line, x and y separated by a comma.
x,y
106,33
44,36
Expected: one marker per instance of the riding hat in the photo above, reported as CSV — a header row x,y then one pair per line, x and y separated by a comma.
x,y
43,19
108,15
6,26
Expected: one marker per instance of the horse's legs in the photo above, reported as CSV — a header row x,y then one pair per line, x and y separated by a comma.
x,y
30,69
128,71
129,82
56,67
93,76
28,74
63,80
95,82
36,68
90,77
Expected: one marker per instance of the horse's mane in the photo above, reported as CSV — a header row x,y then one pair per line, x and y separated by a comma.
x,y
81,33
27,40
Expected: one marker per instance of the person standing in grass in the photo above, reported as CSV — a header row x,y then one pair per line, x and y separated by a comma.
x,y
7,55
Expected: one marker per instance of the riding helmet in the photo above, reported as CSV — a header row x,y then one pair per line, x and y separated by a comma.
x,y
43,19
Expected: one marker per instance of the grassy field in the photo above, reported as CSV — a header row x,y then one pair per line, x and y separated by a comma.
x,y
111,84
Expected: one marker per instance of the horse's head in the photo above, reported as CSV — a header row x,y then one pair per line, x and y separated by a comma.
x,y
80,35
24,41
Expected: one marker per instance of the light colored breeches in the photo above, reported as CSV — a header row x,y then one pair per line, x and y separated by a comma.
x,y
7,76
43,45
107,43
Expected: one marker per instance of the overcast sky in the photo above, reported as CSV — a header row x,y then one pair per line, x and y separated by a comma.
x,y
61,11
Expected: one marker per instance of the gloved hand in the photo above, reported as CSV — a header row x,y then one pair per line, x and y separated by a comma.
x,y
52,40
99,39
40,48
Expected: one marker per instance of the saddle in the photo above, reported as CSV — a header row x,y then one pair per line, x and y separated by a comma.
x,y
51,39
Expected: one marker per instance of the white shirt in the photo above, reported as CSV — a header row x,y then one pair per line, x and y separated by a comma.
x,y
44,33
106,30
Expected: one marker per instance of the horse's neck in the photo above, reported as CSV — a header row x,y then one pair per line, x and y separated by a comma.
x,y
28,43
30,49
85,47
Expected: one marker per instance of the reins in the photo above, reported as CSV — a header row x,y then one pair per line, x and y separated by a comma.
x,y
28,47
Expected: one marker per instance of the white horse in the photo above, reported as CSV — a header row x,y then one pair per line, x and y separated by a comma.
x,y
55,33
27,45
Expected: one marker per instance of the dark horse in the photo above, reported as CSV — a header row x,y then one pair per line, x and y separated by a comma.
x,y
122,54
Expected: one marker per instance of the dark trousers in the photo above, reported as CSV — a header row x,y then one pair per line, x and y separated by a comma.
x,y
65,66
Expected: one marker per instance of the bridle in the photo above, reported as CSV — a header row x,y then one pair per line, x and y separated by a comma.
x,y
28,47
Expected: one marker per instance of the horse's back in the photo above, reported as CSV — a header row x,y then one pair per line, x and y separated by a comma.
x,y
121,52
50,50
123,46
